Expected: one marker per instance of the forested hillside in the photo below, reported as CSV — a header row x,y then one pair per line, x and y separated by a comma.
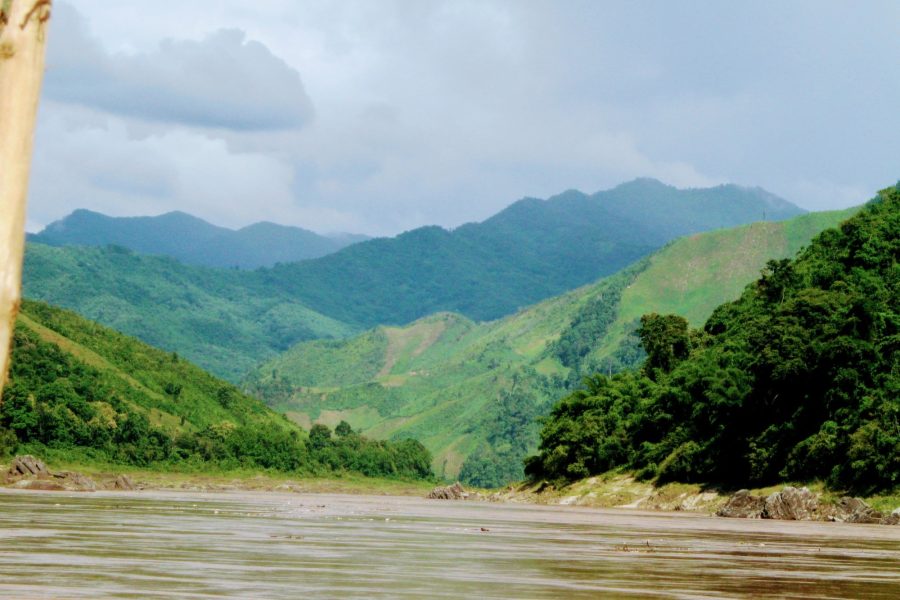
x,y
228,321
798,379
532,250
470,392
90,393
193,241
218,319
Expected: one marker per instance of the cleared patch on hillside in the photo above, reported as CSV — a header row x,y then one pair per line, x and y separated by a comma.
x,y
438,379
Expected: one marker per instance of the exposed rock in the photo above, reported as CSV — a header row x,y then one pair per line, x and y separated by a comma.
x,y
851,510
28,466
743,505
795,504
40,484
450,492
75,482
791,504
123,482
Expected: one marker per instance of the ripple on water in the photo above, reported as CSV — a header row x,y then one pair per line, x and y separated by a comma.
x,y
243,545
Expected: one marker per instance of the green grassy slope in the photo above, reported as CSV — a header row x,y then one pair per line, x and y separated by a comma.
x,y
171,392
456,385
87,393
216,318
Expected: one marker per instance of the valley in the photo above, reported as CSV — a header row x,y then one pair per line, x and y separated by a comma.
x,y
456,385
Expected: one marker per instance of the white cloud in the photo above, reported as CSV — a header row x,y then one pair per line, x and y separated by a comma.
x,y
447,111
222,81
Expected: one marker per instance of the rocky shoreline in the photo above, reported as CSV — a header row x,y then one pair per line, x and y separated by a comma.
x,y
800,504
30,473
789,504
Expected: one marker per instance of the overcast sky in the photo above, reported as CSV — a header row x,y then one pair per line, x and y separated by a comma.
x,y
379,116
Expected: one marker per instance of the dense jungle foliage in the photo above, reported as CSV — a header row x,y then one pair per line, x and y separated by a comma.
x,y
798,379
77,386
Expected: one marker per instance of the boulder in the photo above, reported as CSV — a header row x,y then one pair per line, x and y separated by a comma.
x,y
855,510
743,505
791,504
28,466
450,492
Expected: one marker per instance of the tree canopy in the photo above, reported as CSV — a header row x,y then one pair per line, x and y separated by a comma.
x,y
797,379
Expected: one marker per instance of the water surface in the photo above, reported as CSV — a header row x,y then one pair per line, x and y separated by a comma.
x,y
266,545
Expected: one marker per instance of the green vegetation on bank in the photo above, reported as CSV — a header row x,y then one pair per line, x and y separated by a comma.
x,y
798,379
470,392
82,390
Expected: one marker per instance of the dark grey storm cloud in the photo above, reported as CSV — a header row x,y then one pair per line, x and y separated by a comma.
x,y
222,81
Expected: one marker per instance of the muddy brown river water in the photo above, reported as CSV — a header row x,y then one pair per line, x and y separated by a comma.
x,y
265,545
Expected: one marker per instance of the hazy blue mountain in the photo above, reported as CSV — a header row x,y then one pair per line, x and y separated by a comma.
x,y
192,240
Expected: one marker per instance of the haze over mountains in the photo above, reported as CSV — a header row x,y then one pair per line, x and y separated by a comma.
x,y
193,241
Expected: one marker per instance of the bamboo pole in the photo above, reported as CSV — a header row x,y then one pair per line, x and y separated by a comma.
x,y
23,28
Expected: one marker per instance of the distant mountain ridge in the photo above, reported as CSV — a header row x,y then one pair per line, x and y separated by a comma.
x,y
529,251
192,240
230,320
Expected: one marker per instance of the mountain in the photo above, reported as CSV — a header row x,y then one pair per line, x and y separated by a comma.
x,y
193,241
796,380
84,393
229,320
217,318
470,392
532,250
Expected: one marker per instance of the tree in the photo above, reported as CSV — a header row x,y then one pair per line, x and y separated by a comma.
x,y
319,436
343,429
666,339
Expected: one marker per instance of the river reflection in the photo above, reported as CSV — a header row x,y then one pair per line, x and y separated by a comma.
x,y
249,545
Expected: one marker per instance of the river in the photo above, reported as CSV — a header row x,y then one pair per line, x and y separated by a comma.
x,y
268,545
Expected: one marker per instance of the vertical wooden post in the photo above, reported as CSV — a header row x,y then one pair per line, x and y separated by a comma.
x,y
23,32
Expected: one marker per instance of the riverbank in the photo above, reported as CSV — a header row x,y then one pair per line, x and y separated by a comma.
x,y
620,490
611,490
184,479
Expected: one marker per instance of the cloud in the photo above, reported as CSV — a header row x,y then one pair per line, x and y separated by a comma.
x,y
445,111
91,161
222,81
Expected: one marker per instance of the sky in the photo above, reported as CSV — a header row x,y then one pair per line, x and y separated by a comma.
x,y
378,116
